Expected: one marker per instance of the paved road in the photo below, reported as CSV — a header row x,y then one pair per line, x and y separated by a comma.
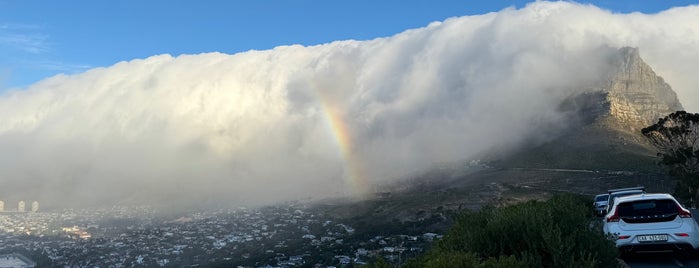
x,y
652,260
649,260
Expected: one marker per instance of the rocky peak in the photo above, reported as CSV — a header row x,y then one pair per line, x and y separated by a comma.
x,y
629,97
605,118
637,96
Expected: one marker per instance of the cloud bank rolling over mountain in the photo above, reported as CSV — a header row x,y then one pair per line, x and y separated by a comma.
x,y
326,120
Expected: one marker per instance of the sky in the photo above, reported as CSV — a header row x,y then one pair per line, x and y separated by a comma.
x,y
259,102
39,39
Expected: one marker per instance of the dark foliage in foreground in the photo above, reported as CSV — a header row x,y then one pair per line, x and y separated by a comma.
x,y
676,136
558,232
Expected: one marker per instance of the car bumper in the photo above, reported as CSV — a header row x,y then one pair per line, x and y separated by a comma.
x,y
673,243
660,247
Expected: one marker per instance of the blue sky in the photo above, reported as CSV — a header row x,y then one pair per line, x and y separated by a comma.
x,y
39,39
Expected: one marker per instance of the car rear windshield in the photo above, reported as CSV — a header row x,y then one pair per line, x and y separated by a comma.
x,y
648,210
601,198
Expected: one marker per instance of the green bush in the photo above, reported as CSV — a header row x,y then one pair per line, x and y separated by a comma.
x,y
449,259
554,233
379,263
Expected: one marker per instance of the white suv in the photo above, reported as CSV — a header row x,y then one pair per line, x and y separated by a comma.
x,y
651,222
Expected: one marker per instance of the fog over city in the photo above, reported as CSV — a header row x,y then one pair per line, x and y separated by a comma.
x,y
328,120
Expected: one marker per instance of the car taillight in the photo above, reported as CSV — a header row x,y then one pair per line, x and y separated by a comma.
x,y
614,217
683,213
623,236
682,234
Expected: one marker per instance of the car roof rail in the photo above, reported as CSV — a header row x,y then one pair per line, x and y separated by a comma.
x,y
642,188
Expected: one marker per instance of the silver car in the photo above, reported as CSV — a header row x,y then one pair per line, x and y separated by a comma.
x,y
600,203
614,193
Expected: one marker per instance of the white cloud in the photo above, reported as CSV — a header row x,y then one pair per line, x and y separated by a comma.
x,y
59,66
255,126
24,37
31,43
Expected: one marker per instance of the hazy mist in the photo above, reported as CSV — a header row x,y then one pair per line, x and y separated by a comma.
x,y
326,120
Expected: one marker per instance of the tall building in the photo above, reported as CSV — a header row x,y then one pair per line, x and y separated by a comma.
x,y
35,206
20,206
2,206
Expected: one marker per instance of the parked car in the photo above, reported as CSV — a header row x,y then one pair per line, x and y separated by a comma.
x,y
614,193
651,222
600,203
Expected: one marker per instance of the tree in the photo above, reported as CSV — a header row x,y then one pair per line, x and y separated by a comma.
x,y
676,137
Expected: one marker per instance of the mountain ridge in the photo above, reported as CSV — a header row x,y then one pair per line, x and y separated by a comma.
x,y
639,96
605,121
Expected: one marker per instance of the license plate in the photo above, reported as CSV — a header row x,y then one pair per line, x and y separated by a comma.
x,y
652,238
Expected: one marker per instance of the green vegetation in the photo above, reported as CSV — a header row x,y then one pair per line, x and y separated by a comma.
x,y
676,137
553,233
456,259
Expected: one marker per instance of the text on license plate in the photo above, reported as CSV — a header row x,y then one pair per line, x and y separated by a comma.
x,y
652,238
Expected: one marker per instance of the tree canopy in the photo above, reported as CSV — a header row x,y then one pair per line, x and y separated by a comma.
x,y
676,137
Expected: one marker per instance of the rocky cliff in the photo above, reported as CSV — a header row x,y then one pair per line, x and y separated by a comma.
x,y
635,95
605,119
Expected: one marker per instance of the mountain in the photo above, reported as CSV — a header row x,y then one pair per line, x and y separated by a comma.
x,y
637,96
605,121
599,148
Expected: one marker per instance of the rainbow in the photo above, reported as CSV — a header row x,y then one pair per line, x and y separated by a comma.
x,y
354,170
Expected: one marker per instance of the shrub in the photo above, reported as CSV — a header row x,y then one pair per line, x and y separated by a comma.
x,y
379,263
553,233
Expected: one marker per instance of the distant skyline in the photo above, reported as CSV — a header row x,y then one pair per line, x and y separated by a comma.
x,y
39,39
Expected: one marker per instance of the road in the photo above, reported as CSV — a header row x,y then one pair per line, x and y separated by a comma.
x,y
653,260
649,260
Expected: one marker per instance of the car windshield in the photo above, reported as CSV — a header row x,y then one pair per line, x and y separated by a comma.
x,y
600,198
647,207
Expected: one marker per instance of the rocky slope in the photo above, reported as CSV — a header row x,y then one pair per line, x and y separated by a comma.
x,y
637,96
607,118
